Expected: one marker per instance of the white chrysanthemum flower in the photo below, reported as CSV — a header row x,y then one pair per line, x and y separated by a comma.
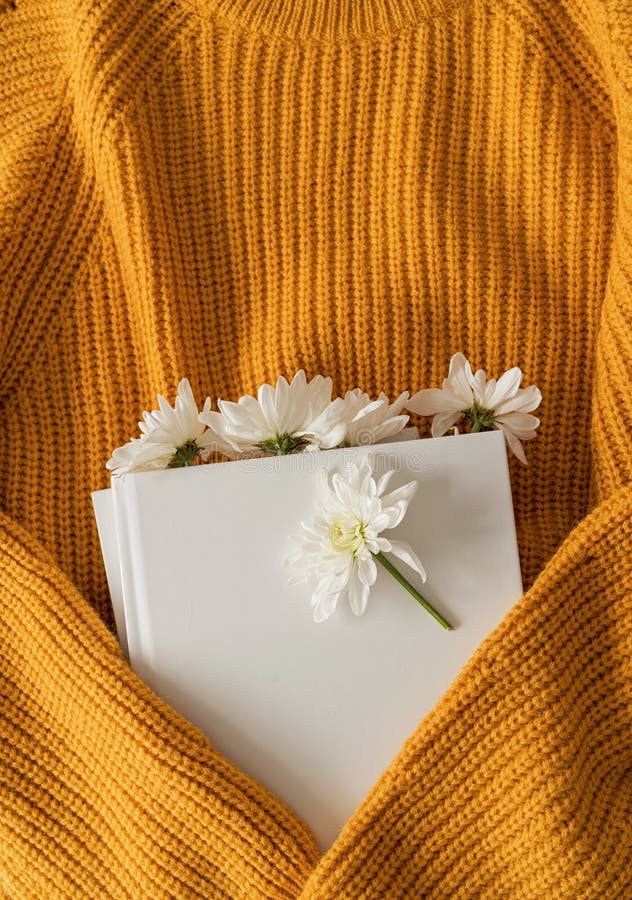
x,y
367,421
448,403
170,437
338,549
486,405
284,419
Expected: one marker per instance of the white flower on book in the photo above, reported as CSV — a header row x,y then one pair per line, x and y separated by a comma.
x,y
170,437
368,421
485,405
284,419
337,551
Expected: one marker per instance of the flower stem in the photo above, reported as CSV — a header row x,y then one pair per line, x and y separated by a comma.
x,y
184,455
283,444
388,565
479,418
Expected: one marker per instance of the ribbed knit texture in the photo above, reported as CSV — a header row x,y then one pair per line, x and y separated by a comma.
x,y
230,190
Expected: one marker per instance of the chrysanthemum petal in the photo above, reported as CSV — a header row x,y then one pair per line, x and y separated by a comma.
x,y
431,401
514,444
397,405
323,606
366,483
505,388
372,406
443,421
404,493
480,387
243,416
526,400
358,594
265,399
388,429
330,418
318,393
459,380
326,440
383,482
367,570
139,455
405,552
523,425
388,518
344,491
164,404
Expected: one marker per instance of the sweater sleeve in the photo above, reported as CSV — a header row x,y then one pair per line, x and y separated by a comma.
x,y
105,790
518,782
612,399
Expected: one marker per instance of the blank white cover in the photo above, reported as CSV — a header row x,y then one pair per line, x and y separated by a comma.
x,y
314,712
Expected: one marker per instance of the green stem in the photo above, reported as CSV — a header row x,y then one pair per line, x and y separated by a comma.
x,y
184,455
476,426
388,565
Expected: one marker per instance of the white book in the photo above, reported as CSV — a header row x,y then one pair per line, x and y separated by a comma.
x,y
315,712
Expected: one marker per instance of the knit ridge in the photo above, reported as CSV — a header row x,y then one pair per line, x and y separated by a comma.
x,y
230,190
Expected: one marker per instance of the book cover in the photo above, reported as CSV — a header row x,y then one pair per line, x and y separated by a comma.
x,y
314,711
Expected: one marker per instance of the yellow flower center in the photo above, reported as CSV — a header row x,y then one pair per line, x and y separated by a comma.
x,y
346,536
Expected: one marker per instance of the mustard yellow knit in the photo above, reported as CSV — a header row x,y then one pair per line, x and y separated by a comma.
x,y
229,190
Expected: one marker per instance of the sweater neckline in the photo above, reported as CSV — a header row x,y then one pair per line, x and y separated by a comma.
x,y
326,20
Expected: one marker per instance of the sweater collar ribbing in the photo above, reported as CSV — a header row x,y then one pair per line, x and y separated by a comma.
x,y
327,20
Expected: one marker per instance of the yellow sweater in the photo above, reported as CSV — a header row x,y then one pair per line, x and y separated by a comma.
x,y
230,190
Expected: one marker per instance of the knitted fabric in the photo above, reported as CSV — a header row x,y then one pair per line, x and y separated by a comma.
x,y
230,190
